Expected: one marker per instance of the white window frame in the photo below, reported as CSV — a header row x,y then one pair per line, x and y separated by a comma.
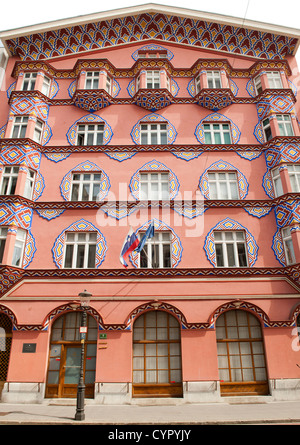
x,y
277,184
154,134
29,81
19,247
154,186
9,180
294,174
257,84
274,79
214,80
198,84
90,134
266,126
38,131
84,179
288,245
29,184
3,236
108,84
230,256
92,79
46,85
153,55
285,125
19,127
153,79
223,185
215,128
80,239
155,250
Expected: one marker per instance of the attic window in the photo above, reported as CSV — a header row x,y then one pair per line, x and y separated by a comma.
x,y
152,54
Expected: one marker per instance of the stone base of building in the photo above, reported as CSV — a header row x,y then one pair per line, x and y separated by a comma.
x,y
121,393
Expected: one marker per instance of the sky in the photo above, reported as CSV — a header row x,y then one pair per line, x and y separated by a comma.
x,y
32,12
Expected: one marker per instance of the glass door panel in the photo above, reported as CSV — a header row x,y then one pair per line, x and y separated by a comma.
x,y
72,366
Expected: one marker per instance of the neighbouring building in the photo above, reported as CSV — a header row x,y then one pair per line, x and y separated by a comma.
x,y
114,120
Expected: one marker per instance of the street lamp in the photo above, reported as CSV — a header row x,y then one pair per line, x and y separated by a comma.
x,y
85,298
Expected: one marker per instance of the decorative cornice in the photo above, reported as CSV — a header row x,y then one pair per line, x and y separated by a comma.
x,y
200,64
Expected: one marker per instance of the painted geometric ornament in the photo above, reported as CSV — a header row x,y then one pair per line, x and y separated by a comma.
x,y
230,225
79,226
151,25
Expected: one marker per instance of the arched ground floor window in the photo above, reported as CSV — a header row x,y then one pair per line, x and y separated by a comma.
x,y
156,356
65,356
241,356
5,346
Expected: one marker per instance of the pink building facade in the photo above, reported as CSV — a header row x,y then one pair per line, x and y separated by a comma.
x,y
150,114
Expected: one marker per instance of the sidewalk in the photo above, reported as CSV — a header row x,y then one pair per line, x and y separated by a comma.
x,y
224,413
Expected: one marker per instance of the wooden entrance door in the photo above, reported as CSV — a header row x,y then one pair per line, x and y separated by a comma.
x,y
5,346
241,356
65,357
156,356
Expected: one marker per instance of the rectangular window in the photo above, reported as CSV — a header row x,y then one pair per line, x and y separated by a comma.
x,y
217,133
92,80
152,79
223,185
157,251
29,81
274,79
230,249
154,186
258,85
46,86
294,174
91,134
19,127
285,125
108,85
38,131
19,248
198,84
267,129
80,250
154,134
3,235
277,182
9,180
29,184
288,246
85,186
214,79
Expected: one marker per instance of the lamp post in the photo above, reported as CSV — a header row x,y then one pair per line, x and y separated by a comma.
x,y
84,304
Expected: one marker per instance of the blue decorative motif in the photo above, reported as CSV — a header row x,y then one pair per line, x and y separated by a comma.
x,y
230,224
217,117
49,214
278,248
79,226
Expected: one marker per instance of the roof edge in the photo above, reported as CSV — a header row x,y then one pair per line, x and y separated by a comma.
x,y
155,8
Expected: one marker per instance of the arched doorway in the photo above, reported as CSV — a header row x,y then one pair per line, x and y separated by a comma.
x,y
65,356
156,356
5,346
241,356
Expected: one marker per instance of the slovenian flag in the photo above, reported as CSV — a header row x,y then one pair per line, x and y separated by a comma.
x,y
148,234
131,242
